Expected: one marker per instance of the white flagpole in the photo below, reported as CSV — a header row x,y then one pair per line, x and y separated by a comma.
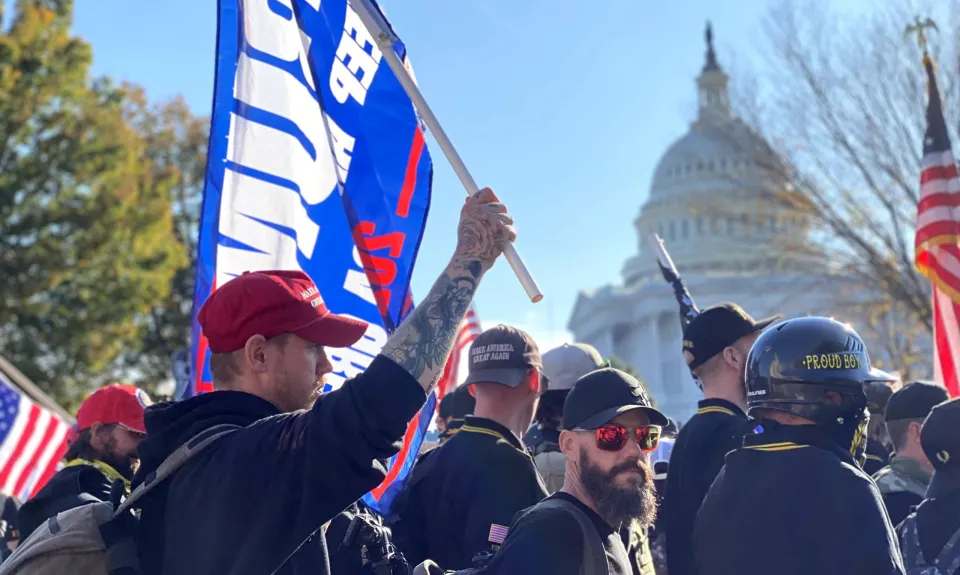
x,y
385,38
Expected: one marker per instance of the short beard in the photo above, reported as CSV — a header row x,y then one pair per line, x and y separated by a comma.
x,y
636,503
125,465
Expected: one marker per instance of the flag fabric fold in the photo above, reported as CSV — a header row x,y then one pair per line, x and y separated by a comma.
x,y
33,440
937,243
469,330
317,162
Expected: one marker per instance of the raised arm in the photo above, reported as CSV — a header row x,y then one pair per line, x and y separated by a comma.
x,y
424,340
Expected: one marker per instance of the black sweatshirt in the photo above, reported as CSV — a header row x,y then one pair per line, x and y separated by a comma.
x,y
249,502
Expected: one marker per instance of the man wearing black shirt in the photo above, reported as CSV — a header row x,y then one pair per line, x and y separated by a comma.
x,y
904,481
609,430
255,502
715,346
793,500
932,532
463,494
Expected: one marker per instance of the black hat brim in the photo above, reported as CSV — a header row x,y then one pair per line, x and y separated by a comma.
x,y
766,322
509,376
604,417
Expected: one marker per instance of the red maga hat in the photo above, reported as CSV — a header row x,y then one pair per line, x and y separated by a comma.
x,y
114,405
271,303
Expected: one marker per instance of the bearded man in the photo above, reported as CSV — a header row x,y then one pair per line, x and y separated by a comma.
x,y
609,430
104,451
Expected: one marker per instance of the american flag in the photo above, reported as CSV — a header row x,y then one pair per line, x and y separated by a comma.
x,y
937,245
32,442
688,309
498,534
469,330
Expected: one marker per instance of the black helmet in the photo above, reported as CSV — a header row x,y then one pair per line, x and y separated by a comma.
x,y
795,364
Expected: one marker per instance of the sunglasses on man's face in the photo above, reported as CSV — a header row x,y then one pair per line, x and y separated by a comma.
x,y
614,437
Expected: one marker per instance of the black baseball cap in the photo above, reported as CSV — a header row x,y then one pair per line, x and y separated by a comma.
x,y
914,401
717,328
504,355
940,439
457,404
879,388
601,395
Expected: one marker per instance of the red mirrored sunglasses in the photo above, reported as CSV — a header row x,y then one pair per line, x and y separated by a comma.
x,y
614,437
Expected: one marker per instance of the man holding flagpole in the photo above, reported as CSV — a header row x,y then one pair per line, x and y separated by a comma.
x,y
254,502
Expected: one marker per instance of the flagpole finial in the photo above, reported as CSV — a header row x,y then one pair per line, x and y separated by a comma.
x,y
919,29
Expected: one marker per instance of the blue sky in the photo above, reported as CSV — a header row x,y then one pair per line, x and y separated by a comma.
x,y
562,107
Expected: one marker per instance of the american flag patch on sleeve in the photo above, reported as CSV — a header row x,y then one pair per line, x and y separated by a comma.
x,y
497,533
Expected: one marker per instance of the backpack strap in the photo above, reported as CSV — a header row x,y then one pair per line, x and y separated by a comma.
x,y
912,553
594,555
175,461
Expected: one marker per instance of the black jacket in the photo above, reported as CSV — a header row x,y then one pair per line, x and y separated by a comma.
x,y
70,487
791,502
937,520
249,502
697,457
480,478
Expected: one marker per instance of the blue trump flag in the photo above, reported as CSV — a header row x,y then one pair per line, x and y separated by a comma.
x,y
317,162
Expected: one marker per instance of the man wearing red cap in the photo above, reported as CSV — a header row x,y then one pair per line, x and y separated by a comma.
x,y
255,502
109,428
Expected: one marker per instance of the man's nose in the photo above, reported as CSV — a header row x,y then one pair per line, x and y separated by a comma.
x,y
324,367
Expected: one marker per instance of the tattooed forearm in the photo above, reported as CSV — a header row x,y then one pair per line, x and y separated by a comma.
x,y
424,340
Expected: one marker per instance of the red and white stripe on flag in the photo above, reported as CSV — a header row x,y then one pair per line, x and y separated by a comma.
x,y
469,330
937,245
32,442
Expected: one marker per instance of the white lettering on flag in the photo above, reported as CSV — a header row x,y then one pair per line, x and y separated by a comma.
x,y
284,154
353,59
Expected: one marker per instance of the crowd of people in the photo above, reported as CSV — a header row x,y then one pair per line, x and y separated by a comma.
x,y
802,458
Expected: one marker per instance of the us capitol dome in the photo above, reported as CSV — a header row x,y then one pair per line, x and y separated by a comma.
x,y
710,201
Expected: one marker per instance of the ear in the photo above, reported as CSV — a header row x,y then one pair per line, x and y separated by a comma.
x,y
534,381
732,356
254,353
96,435
570,445
914,430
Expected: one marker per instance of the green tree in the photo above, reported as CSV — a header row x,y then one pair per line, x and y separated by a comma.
x,y
86,225
176,142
